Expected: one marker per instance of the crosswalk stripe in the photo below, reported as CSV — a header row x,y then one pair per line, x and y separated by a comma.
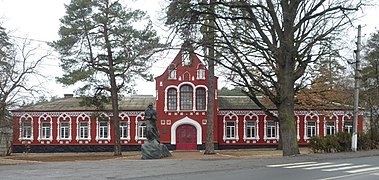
x,y
347,167
328,166
289,164
363,170
306,165
375,174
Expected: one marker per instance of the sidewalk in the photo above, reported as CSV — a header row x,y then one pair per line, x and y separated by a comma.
x,y
20,158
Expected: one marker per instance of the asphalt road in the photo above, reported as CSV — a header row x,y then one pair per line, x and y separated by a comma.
x,y
317,166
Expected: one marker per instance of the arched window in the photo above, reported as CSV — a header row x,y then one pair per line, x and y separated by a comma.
x,y
186,94
171,99
200,99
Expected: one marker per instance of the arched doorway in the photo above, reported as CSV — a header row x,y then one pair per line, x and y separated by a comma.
x,y
186,137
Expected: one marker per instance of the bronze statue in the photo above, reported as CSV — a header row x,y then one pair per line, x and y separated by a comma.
x,y
152,147
151,125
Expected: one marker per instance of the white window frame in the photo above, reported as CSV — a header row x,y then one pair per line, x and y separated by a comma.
x,y
26,118
124,118
230,117
311,129
103,127
348,127
311,117
251,117
45,133
140,131
201,74
64,118
271,130
83,118
230,130
84,131
330,128
172,74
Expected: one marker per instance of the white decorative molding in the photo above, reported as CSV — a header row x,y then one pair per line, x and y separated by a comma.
x,y
140,117
64,118
186,120
83,118
23,118
124,117
230,116
48,119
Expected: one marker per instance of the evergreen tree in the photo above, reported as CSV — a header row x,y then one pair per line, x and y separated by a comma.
x,y
104,46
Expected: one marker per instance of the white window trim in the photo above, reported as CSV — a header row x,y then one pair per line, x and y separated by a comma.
x,y
311,115
265,130
98,138
45,118
61,118
139,117
230,115
27,117
201,74
125,117
251,116
83,118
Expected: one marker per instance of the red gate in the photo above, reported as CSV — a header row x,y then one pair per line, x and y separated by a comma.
x,y
186,137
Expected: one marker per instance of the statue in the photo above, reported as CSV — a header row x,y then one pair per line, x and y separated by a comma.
x,y
151,124
153,148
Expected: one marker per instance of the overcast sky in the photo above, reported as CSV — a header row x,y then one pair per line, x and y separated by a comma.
x,y
39,20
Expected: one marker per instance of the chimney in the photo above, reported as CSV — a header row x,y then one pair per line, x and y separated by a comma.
x,y
68,96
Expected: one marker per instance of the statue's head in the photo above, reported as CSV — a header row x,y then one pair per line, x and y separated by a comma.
x,y
150,105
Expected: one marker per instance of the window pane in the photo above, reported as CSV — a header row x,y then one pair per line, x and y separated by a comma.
x,y
171,99
200,99
186,97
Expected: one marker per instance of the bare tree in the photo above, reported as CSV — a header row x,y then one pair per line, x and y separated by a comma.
x,y
268,45
18,65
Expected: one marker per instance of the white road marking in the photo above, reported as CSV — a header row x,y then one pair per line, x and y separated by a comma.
x,y
306,165
328,166
363,170
289,164
347,167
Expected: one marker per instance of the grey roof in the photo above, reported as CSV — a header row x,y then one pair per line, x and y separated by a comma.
x,y
140,103
239,102
73,104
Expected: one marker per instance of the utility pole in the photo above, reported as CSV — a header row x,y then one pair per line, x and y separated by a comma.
x,y
354,140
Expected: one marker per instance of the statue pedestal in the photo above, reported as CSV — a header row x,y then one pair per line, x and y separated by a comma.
x,y
152,149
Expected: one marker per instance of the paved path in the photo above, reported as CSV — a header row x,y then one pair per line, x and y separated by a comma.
x,y
182,164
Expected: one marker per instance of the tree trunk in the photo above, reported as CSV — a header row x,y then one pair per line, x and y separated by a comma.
x,y
286,113
210,55
114,92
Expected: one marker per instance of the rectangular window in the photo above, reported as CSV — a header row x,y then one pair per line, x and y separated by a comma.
x,y
250,129
230,129
311,129
200,99
271,129
172,74
201,74
45,130
64,130
26,130
348,127
330,128
171,99
123,130
83,131
142,130
103,130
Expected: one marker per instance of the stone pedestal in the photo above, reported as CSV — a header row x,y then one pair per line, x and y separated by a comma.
x,y
152,149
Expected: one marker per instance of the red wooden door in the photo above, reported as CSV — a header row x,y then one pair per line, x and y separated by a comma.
x,y
186,137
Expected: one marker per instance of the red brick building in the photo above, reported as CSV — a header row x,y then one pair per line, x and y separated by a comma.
x,y
64,125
